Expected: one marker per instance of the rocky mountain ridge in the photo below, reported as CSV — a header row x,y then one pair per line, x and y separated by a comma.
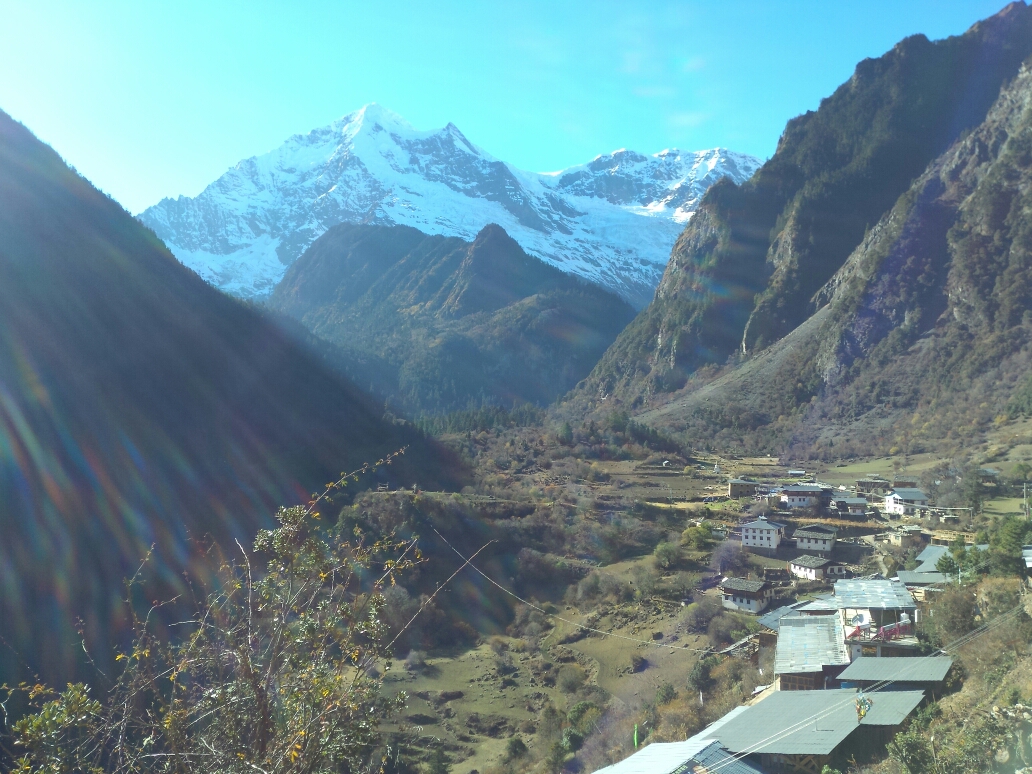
x,y
611,221
749,267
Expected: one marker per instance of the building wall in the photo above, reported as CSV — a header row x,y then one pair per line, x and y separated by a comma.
x,y
814,544
810,573
800,501
806,681
745,604
761,537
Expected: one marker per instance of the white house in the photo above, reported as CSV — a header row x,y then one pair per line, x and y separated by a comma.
x,y
854,506
815,537
747,596
815,567
762,534
801,495
905,501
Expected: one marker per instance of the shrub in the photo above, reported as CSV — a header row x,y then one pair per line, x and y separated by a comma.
x,y
637,662
571,678
666,555
515,748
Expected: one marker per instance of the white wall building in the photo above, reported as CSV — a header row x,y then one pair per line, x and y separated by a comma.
x,y
905,502
801,495
815,537
746,596
762,534
815,567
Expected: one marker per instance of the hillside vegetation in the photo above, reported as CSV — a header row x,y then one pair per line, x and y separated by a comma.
x,y
436,324
141,412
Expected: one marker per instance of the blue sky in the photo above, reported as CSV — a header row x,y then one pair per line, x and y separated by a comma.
x,y
151,99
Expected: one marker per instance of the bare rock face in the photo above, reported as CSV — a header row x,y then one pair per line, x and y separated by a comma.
x,y
758,259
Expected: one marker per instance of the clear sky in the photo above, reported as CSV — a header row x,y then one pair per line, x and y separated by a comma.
x,y
151,99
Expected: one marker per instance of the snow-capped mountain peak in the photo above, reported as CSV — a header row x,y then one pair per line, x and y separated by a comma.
x,y
612,220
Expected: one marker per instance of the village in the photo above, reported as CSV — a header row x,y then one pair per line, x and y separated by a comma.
x,y
848,668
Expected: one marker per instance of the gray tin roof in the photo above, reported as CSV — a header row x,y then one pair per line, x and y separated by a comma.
x,y
772,620
681,758
929,557
809,722
914,578
808,643
873,594
927,669
762,523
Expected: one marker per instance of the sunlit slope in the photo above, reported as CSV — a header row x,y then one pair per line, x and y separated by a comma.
x,y
744,272
139,407
922,341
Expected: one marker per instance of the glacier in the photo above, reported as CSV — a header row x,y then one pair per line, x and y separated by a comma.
x,y
611,221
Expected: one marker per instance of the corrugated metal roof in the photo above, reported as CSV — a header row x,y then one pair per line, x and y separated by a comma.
x,y
905,670
914,578
809,722
808,643
803,489
876,594
699,754
929,557
658,757
715,758
772,620
741,584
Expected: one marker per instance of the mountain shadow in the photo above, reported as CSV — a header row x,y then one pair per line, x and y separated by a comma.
x,y
140,410
436,323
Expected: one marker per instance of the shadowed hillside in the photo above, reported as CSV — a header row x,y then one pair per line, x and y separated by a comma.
x,y
139,407
437,324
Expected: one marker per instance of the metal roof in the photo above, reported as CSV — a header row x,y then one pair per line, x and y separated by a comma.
x,y
715,758
809,722
741,584
908,494
808,643
914,578
772,620
929,557
681,758
874,594
658,758
804,488
927,669
818,531
810,561
854,500
742,481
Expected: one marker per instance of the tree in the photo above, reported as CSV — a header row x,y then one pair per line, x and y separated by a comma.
x,y
947,565
275,673
911,750
666,555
